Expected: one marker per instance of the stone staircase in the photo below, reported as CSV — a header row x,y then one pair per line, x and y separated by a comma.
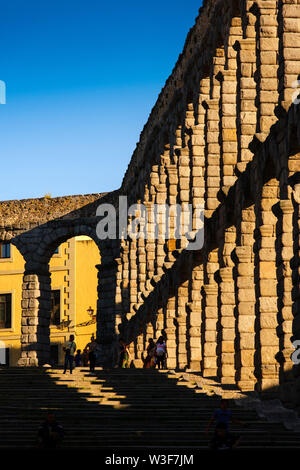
x,y
124,408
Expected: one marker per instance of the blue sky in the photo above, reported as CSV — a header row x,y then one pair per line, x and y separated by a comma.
x,y
82,77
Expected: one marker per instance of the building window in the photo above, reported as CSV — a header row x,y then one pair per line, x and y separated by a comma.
x,y
55,307
5,310
5,250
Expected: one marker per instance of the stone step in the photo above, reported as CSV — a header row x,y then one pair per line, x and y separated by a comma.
x,y
160,408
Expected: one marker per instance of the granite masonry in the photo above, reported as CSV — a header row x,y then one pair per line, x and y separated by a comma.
x,y
225,131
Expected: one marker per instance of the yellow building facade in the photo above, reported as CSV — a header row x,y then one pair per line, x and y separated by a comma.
x,y
73,297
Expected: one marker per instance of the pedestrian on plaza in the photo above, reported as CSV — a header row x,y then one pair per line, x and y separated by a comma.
x,y
165,337
85,358
91,349
223,417
69,349
149,361
124,358
78,358
161,353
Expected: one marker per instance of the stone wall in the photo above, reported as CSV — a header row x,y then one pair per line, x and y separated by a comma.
x,y
27,213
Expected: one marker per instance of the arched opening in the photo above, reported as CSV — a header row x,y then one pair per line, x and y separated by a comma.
x,y
53,311
74,295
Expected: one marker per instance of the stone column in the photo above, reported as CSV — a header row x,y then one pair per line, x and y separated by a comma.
x,y
181,318
159,323
285,288
212,154
125,277
118,295
184,172
194,324
246,313
35,331
132,275
246,100
172,182
268,301
161,199
296,288
106,315
229,136
141,267
228,325
289,57
151,242
229,107
267,82
210,341
171,329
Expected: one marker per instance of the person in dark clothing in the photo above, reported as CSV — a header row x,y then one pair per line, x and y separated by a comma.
x,y
91,348
69,349
161,353
78,358
124,358
149,361
50,433
223,417
165,338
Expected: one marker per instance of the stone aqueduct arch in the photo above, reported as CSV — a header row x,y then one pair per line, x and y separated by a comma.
x,y
224,131
37,227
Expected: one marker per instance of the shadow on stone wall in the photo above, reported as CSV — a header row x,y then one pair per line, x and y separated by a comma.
x,y
267,164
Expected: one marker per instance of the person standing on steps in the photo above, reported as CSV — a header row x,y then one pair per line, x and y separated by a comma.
x,y
223,417
149,362
91,348
85,358
69,349
124,354
222,440
161,353
78,358
50,433
165,338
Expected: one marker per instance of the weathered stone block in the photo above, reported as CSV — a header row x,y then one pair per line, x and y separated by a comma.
x,y
268,354
228,371
247,341
268,304
227,358
195,319
268,337
268,288
246,323
247,358
227,346
267,270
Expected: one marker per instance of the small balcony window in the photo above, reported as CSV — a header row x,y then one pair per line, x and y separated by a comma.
x,y
5,311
